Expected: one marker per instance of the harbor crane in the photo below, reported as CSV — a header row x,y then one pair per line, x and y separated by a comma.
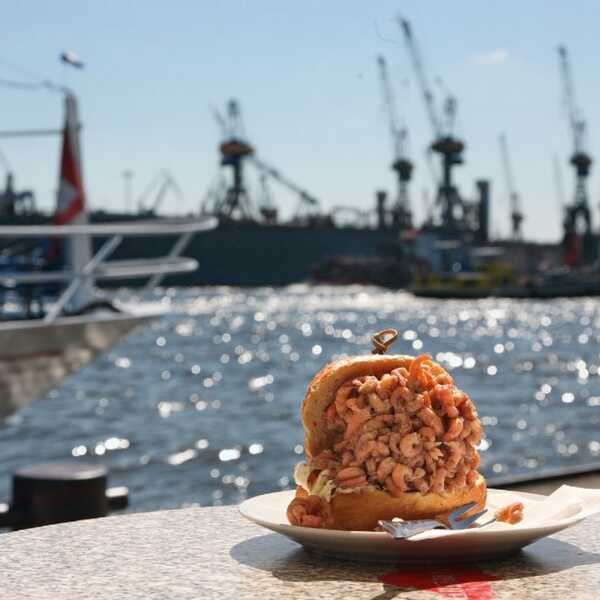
x,y
401,165
516,215
445,143
580,159
235,150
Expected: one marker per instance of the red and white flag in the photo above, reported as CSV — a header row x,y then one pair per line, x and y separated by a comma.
x,y
70,202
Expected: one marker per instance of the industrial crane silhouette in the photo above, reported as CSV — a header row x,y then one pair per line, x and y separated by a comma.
x,y
580,159
445,143
235,150
516,215
401,165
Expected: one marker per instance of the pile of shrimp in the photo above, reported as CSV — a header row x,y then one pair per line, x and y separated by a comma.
x,y
410,430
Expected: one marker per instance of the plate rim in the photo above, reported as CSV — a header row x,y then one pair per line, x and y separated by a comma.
x,y
294,529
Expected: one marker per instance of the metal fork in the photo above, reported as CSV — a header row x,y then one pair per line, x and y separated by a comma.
x,y
405,529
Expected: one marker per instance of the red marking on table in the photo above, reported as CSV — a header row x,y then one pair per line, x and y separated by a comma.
x,y
460,581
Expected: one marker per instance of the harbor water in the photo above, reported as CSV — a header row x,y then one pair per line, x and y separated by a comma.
x,y
202,406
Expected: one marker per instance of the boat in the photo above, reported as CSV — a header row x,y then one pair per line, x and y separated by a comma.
x,y
42,339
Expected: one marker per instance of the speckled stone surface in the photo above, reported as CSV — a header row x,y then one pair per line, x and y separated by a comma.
x,y
214,553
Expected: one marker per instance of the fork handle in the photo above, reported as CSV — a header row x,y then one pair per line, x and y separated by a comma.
x,y
406,529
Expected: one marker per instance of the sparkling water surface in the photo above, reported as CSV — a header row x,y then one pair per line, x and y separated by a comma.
x,y
202,406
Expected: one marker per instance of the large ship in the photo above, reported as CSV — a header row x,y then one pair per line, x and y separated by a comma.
x,y
252,245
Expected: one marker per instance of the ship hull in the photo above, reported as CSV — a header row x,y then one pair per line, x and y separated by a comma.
x,y
251,254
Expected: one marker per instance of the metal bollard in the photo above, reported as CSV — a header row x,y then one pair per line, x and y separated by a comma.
x,y
57,492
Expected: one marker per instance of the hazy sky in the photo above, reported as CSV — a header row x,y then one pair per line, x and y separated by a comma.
x,y
306,77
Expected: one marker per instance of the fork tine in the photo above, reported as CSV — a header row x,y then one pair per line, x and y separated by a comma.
x,y
468,521
461,510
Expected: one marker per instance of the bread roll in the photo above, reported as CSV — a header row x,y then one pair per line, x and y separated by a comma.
x,y
412,454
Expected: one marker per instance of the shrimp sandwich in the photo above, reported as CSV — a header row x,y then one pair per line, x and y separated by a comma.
x,y
385,436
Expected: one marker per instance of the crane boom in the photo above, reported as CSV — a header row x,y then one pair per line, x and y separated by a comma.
x,y
398,134
417,62
304,196
577,124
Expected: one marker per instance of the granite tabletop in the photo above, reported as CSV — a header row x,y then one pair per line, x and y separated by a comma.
x,y
214,553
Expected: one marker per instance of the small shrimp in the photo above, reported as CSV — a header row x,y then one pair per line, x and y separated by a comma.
x,y
355,404
460,479
383,449
417,461
431,459
444,379
431,420
459,398
457,452
512,514
399,396
416,375
438,480
427,433
415,404
411,445
401,475
421,485
385,468
466,430
388,382
347,458
355,423
418,473
371,465
467,410
400,372
475,460
444,394
378,422
475,435
395,439
393,489
472,477
351,477
379,405
341,397
416,423
454,430
365,450
369,385
403,422
309,511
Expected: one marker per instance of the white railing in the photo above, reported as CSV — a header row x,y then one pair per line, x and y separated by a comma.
x,y
97,267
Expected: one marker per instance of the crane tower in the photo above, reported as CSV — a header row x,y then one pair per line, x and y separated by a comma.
x,y
445,143
580,159
401,165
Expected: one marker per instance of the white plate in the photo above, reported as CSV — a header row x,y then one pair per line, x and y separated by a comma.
x,y
498,539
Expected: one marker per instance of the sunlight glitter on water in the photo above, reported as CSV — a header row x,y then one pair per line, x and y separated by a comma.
x,y
208,397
